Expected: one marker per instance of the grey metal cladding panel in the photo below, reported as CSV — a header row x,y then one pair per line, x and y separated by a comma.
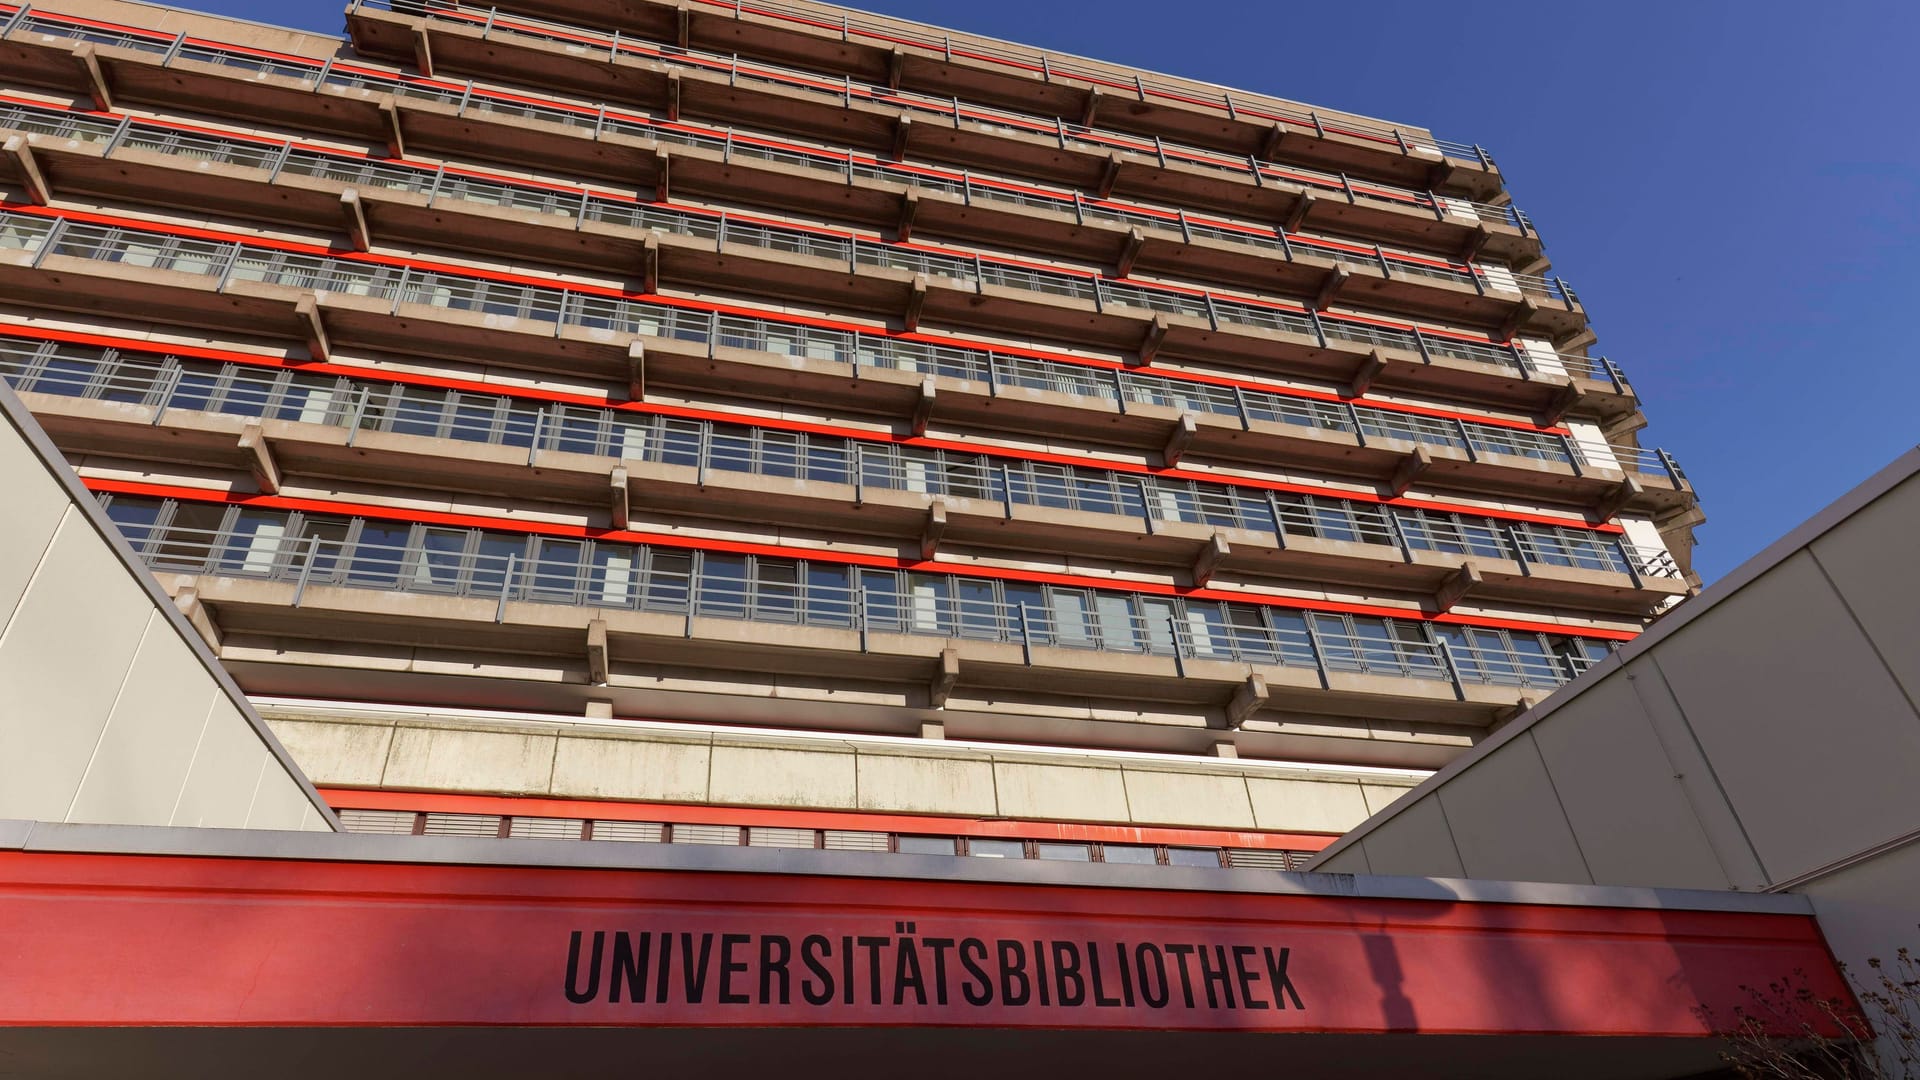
x,y
1873,558
35,504
1621,794
1808,733
1507,821
1416,843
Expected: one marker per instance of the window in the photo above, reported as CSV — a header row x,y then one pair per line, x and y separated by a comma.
x,y
983,847
924,845
1063,852
1187,856
1134,854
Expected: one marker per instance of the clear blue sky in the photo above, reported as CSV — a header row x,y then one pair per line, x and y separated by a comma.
x,y
1733,188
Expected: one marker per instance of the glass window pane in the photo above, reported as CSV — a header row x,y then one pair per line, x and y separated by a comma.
x,y
1063,852
1136,854
925,845
1186,856
986,847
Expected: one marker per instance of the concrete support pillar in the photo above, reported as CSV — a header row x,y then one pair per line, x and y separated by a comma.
x,y
599,710
396,138
1577,340
933,530
945,676
661,187
260,462
1331,287
1368,371
1409,470
422,52
1458,585
1182,437
1616,500
187,600
1150,345
313,329
1270,142
1109,176
682,24
923,406
650,264
93,77
1564,401
902,129
1225,749
1248,698
20,153
1130,250
916,302
636,371
1301,208
1092,107
1211,556
597,652
353,217
619,503
909,209
1476,241
933,729
1522,313
896,66
673,96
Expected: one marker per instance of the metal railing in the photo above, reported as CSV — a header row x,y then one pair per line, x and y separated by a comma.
x,y
468,96
169,382
500,567
230,261
577,204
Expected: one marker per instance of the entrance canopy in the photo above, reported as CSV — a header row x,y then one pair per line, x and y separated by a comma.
x,y
124,947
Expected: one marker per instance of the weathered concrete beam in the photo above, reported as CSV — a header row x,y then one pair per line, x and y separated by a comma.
x,y
312,328
1109,176
1180,439
1409,470
1369,370
1224,749
909,209
1457,586
636,371
1522,313
945,677
27,167
619,500
396,138
1302,206
1563,402
597,652
923,406
1130,250
198,615
682,24
1270,143
1620,427
422,52
661,188
916,303
1539,264
598,709
650,264
902,128
1331,287
896,66
1092,107
260,462
1211,556
933,530
1440,174
93,76
1617,499
933,729
354,218
1577,340
1248,698
1476,241
1150,345
673,96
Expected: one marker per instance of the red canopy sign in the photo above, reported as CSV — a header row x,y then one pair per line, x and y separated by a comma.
x,y
146,940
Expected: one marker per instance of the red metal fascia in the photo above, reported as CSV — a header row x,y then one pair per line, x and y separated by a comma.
x,y
854,559
525,806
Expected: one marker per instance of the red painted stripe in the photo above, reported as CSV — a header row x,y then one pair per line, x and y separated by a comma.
x,y
877,562
459,270
515,806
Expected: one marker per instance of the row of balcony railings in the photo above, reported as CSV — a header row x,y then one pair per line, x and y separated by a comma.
x,y
225,388
1148,87
578,204
306,551
467,95
227,261
847,90
926,842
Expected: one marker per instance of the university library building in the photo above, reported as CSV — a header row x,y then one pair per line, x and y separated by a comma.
x,y
725,538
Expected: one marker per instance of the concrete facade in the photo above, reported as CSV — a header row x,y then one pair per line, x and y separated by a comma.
x,y
717,413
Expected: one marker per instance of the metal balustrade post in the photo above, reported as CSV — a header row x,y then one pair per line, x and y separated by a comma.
x,y
1627,551
1279,522
48,241
1672,467
173,50
1186,231
1618,377
859,474
358,414
280,158
1213,314
1512,538
1319,331
1574,456
1452,669
120,133
979,276
1146,505
860,613
1160,150
326,70
703,456
539,433
506,588
993,374
19,19
1026,634
1120,390
226,271
306,570
1006,489
1179,660
169,383
1466,440
1240,403
1353,417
